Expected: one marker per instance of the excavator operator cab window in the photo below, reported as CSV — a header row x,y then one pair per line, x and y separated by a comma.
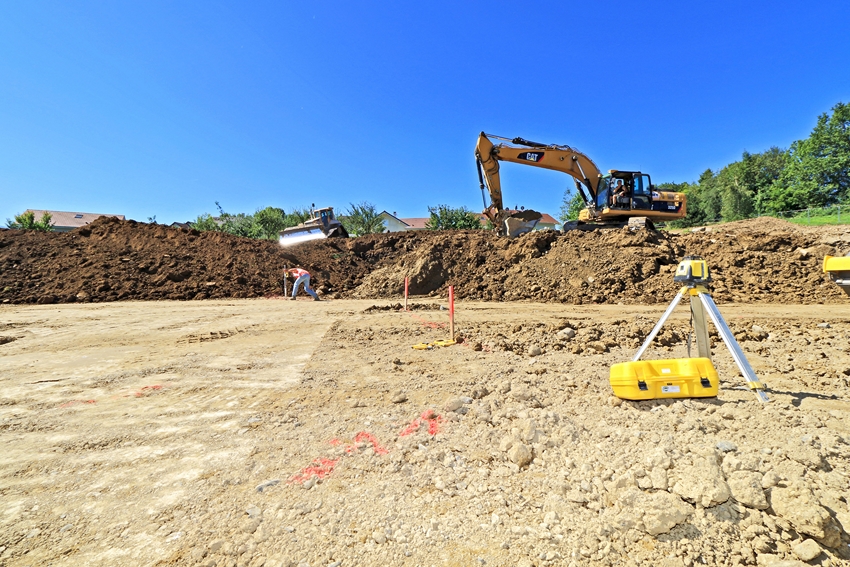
x,y
642,194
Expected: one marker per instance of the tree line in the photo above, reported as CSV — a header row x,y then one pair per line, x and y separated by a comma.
x,y
814,172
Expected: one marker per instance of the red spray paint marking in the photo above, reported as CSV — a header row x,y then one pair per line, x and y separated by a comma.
x,y
429,324
365,436
320,468
75,402
428,417
145,390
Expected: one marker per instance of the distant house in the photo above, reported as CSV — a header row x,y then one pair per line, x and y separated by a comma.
x,y
395,224
63,221
547,221
180,225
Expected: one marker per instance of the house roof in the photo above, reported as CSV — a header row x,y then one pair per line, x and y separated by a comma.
x,y
545,218
70,218
418,222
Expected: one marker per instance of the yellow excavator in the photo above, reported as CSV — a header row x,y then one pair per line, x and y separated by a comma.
x,y
615,199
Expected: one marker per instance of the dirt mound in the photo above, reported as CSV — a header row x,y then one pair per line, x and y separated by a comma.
x,y
609,266
763,260
760,224
111,260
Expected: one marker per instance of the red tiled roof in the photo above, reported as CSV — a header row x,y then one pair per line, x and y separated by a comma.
x,y
71,219
416,222
545,219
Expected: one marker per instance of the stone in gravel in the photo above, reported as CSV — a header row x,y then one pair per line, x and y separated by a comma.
x,y
527,430
519,454
267,484
521,393
480,392
379,537
798,504
398,397
453,404
357,404
702,483
251,526
506,443
658,476
535,351
655,513
746,489
253,512
807,550
614,401
769,480
804,454
566,333
726,446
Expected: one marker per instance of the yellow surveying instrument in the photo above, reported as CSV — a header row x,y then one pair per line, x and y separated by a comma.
x,y
838,268
684,377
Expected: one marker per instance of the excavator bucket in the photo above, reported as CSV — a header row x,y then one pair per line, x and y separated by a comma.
x,y
519,223
838,268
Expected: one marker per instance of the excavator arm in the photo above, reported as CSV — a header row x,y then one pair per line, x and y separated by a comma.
x,y
555,157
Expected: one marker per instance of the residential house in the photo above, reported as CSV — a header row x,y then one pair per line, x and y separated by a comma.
x,y
63,221
395,224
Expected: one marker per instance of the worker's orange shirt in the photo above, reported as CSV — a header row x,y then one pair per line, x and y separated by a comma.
x,y
298,272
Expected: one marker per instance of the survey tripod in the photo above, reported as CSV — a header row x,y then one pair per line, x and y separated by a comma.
x,y
693,272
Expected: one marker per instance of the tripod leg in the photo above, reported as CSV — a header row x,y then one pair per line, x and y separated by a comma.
x,y
700,328
734,347
657,327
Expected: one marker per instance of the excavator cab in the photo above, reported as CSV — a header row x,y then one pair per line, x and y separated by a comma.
x,y
626,190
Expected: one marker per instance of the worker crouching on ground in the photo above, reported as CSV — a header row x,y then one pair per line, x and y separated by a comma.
x,y
301,277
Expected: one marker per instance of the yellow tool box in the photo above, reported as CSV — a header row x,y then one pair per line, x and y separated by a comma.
x,y
670,378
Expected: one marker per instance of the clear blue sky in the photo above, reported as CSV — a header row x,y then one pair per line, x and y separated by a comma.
x,y
164,107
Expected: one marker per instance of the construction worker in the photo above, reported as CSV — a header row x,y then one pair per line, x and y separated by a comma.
x,y
619,192
301,277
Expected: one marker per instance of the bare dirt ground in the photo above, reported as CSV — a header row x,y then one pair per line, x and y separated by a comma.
x,y
269,433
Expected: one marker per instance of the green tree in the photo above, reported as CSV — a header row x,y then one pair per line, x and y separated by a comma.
x,y
444,217
296,217
26,221
206,222
362,219
817,172
269,222
571,206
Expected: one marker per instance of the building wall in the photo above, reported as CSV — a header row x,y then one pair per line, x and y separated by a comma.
x,y
393,225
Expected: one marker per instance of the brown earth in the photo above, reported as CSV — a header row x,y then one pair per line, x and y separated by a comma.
x,y
759,260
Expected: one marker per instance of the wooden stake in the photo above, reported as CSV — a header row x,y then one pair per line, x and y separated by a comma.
x,y
285,277
451,312
406,284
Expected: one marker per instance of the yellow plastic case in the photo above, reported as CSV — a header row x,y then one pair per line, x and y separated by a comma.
x,y
671,378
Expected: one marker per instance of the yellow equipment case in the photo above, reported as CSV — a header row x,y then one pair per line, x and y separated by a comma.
x,y
670,378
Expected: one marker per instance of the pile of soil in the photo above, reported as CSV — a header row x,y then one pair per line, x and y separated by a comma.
x,y
760,260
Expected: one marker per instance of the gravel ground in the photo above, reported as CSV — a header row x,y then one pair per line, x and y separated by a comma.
x,y
272,433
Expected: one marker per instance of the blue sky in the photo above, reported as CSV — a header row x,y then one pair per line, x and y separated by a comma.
x,y
164,107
